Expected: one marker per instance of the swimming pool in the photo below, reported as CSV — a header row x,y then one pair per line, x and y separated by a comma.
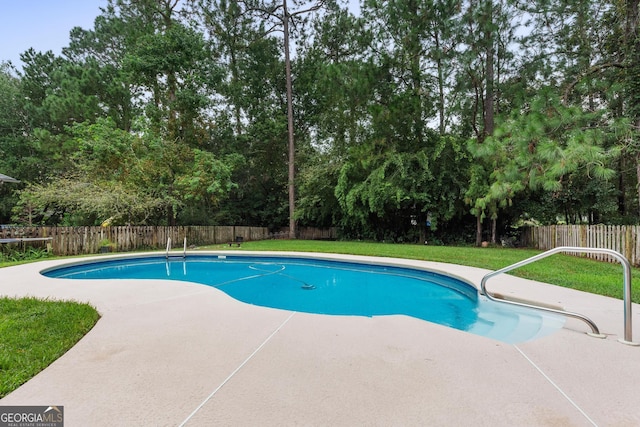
x,y
333,287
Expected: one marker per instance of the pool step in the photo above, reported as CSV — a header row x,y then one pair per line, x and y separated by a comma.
x,y
516,327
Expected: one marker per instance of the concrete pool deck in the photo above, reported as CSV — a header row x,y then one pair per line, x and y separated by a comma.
x,y
174,353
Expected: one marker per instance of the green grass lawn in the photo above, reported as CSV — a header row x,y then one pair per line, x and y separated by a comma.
x,y
33,333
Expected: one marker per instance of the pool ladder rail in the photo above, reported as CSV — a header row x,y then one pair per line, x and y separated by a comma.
x,y
628,335
184,252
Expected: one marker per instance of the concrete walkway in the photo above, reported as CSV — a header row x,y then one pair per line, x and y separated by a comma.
x,y
170,353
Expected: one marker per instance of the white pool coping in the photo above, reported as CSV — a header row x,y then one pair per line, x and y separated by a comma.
x,y
169,353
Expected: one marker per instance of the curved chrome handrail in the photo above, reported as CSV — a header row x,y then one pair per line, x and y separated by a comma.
x,y
628,336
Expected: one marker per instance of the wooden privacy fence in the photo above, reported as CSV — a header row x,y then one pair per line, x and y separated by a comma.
x,y
621,238
88,240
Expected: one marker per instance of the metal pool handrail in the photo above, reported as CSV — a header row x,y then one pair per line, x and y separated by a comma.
x,y
184,253
628,336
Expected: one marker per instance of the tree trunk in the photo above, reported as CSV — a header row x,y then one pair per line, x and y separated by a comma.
x,y
172,124
622,204
234,80
488,113
479,230
171,217
632,52
493,231
287,62
441,88
638,178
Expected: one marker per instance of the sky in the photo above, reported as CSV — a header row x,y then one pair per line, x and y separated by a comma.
x,y
45,24
42,24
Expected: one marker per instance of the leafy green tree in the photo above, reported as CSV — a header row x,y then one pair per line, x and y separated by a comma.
x,y
486,32
549,147
124,178
13,120
101,51
399,170
628,17
578,49
14,150
170,111
72,97
317,204
170,63
381,191
232,36
277,15
335,83
400,30
249,115
37,81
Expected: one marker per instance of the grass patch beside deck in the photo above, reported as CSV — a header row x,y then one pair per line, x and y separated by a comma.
x,y
34,333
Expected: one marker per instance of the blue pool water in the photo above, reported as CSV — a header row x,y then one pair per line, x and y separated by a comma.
x,y
335,288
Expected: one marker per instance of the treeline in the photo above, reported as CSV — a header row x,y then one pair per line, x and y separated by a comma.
x,y
470,116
